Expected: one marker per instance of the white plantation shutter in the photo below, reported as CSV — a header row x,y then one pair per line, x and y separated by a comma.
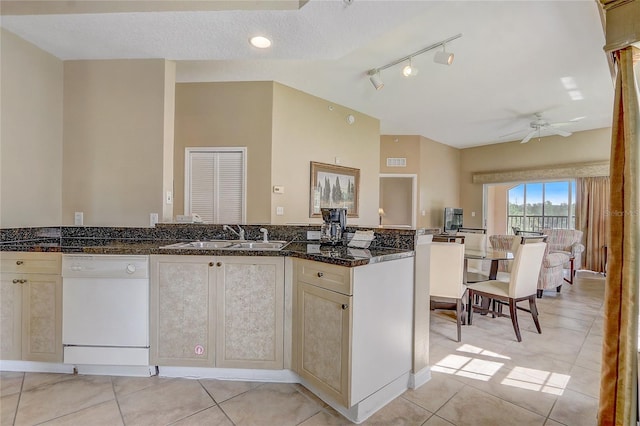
x,y
230,196
215,184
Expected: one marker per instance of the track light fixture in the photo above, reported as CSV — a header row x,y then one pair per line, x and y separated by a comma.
x,y
409,70
376,80
444,57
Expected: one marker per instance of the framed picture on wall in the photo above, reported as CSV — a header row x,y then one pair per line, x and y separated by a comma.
x,y
333,186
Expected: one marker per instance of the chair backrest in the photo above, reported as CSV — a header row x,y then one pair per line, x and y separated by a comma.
x,y
472,230
526,239
526,269
563,239
502,242
474,241
445,269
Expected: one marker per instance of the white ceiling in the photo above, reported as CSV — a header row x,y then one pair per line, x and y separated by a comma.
x,y
508,64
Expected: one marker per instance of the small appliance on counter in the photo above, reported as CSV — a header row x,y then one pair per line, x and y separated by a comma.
x,y
335,223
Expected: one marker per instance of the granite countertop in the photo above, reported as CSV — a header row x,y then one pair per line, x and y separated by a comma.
x,y
312,250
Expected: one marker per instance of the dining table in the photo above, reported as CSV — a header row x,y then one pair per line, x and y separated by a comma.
x,y
489,254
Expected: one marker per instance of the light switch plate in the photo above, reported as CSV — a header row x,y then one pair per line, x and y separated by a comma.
x,y
278,189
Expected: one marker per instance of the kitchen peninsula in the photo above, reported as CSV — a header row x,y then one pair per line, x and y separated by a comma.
x,y
337,320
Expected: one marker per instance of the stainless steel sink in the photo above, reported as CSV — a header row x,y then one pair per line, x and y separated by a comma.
x,y
228,245
259,245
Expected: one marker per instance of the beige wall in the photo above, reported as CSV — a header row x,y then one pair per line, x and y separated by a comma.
x,y
114,132
496,209
30,135
439,182
581,147
227,115
168,144
307,128
437,167
395,194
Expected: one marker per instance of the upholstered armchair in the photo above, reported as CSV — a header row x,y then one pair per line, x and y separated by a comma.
x,y
551,275
568,241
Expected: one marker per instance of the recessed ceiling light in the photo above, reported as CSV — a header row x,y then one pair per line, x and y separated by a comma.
x,y
260,42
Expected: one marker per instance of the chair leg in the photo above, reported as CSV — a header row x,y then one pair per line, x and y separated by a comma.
x,y
559,288
514,318
469,306
534,313
459,314
539,293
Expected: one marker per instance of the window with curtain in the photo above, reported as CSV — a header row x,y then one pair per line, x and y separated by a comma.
x,y
533,206
215,184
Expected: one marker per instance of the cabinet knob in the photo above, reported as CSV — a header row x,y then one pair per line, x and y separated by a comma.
x,y
320,274
19,262
219,264
344,306
17,281
210,263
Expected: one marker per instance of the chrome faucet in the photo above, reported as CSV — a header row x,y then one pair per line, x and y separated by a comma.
x,y
265,234
239,233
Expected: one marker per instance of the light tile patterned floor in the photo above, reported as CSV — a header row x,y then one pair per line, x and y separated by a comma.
x,y
488,379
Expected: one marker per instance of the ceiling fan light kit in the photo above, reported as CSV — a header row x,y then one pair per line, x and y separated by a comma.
x,y
445,58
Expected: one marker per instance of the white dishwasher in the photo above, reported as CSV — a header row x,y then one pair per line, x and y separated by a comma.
x,y
105,309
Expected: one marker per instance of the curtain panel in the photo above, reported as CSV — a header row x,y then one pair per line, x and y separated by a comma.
x,y
619,374
592,212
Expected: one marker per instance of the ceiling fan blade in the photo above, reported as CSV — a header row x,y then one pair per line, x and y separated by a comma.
x,y
558,132
529,136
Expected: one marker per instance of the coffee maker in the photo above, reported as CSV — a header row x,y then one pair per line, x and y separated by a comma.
x,y
335,223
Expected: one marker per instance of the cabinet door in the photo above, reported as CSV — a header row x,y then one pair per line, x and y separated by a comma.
x,y
250,312
182,310
42,318
10,316
324,340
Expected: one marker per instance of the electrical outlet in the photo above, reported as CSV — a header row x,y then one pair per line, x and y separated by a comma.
x,y
78,218
313,235
279,211
153,219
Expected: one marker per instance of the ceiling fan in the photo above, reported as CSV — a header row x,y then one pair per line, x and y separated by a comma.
x,y
540,125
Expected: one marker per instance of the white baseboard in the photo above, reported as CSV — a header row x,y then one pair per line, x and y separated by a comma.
x,y
420,378
35,367
240,374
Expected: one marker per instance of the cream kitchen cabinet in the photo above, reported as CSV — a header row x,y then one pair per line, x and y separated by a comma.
x,y
31,310
250,310
182,311
222,311
352,332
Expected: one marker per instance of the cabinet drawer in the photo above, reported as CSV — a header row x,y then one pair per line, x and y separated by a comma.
x,y
30,263
331,277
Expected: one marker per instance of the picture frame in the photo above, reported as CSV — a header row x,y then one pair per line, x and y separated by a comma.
x,y
334,186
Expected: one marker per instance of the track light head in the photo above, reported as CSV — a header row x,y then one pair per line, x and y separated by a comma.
x,y
409,70
374,77
444,57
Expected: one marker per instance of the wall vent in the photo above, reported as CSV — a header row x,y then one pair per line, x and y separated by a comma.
x,y
396,162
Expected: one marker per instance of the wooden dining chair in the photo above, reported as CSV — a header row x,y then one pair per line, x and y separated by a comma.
x,y
445,274
522,285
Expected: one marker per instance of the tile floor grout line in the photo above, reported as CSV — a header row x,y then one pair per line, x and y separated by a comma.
x,y
115,396
216,402
15,414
